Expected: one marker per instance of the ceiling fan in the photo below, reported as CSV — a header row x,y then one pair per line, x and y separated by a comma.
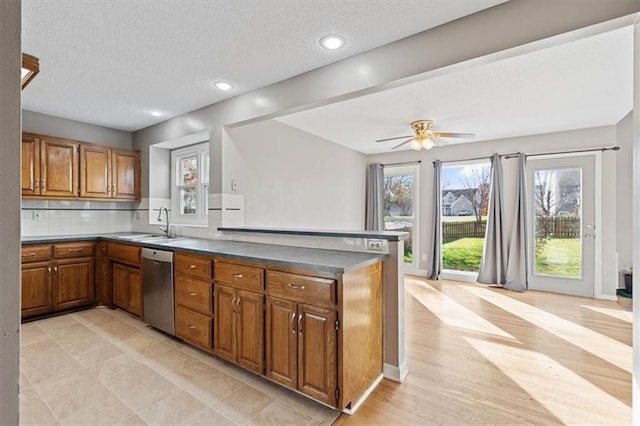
x,y
424,137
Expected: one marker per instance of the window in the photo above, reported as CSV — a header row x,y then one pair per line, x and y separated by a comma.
x,y
400,204
190,188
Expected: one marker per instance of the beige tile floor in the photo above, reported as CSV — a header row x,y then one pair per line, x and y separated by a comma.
x,y
104,367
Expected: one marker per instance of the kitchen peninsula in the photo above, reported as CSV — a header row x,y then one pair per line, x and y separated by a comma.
x,y
307,318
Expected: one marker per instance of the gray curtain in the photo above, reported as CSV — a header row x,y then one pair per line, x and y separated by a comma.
x,y
435,252
374,203
518,245
493,268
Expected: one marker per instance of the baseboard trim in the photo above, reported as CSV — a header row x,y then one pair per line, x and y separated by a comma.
x,y
606,297
364,396
394,372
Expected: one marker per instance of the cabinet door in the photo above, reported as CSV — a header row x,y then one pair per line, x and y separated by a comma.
x,y
134,296
103,275
95,171
125,175
282,340
73,285
224,334
250,330
317,372
58,168
120,284
30,165
36,288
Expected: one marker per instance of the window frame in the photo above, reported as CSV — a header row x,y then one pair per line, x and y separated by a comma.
x,y
200,218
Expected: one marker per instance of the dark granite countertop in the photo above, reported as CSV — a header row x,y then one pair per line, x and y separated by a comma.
x,y
335,261
382,235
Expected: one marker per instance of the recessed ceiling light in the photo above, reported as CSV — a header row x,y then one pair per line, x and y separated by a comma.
x,y
223,85
332,41
156,113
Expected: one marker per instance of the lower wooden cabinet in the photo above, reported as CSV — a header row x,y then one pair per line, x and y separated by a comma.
x,y
59,280
301,348
127,288
239,327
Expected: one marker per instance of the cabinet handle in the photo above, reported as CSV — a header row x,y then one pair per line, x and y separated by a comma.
x,y
293,323
236,276
191,293
233,301
192,327
30,254
42,184
192,266
297,287
49,268
55,269
37,184
300,324
75,250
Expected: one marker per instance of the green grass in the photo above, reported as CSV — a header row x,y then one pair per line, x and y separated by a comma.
x,y
463,254
560,257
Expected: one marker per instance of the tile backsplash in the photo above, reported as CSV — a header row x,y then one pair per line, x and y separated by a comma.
x,y
64,217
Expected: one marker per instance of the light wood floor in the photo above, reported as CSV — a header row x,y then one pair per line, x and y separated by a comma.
x,y
479,354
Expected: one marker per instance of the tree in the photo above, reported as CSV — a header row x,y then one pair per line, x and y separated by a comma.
x,y
398,191
475,179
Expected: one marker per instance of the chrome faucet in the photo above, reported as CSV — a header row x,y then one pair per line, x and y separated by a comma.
x,y
166,211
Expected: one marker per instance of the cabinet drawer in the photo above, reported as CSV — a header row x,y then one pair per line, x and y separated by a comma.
x,y
194,294
125,253
301,288
193,327
239,276
195,266
77,249
33,253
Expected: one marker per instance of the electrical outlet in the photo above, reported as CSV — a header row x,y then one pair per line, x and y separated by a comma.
x,y
374,245
234,185
424,257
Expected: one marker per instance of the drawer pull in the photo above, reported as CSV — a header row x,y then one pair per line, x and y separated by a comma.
x,y
293,323
297,287
78,250
30,254
191,293
192,266
192,327
236,276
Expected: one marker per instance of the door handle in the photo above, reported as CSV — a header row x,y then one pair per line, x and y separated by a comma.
x,y
300,324
589,237
297,287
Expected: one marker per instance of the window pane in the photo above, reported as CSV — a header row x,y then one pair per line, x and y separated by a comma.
x,y
398,209
204,168
187,200
188,169
558,213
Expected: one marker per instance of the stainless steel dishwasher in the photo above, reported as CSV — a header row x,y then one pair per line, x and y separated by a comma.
x,y
157,284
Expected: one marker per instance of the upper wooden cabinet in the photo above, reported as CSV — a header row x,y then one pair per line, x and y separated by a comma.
x,y
60,168
49,166
109,173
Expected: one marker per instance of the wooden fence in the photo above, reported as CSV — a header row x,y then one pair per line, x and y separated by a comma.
x,y
550,227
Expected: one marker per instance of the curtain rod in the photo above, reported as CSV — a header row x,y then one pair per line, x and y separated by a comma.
x,y
515,154
402,164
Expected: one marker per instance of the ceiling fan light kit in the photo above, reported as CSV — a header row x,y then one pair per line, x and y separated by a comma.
x,y
424,136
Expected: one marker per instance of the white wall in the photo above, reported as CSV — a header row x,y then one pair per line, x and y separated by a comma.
x,y
292,179
576,139
624,170
9,210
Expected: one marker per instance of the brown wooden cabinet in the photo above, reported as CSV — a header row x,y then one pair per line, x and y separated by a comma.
x,y
127,288
194,299
301,348
57,277
103,274
49,166
109,173
61,168
239,314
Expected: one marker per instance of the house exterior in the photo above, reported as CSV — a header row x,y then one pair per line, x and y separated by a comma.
x,y
457,202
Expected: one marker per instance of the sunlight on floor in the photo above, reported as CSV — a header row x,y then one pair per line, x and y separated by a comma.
x,y
614,313
588,340
449,311
540,376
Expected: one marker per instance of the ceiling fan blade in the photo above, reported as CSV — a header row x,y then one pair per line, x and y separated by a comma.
x,y
393,139
440,142
454,135
403,143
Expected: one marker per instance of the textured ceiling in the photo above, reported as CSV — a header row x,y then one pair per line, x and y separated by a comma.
x,y
586,83
112,62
